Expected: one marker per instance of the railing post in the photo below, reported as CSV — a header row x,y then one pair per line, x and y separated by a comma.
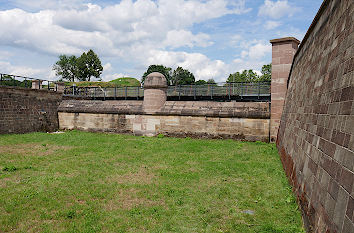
x,y
137,90
104,93
115,93
94,93
179,92
229,91
241,90
211,91
259,89
126,93
14,81
195,91
0,79
48,85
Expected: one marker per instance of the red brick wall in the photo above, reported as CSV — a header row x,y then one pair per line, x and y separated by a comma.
x,y
316,133
27,110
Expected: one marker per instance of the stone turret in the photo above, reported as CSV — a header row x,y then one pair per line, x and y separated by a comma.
x,y
155,92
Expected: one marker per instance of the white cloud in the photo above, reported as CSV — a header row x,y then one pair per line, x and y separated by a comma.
x,y
258,51
255,54
180,38
107,67
141,31
276,9
270,24
200,65
115,29
8,68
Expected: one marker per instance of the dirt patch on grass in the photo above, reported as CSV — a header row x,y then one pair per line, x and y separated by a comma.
x,y
129,198
142,176
13,179
32,149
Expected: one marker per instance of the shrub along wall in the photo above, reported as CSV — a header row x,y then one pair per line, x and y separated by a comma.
x,y
25,110
316,134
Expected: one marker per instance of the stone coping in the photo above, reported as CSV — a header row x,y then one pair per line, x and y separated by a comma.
x,y
285,39
256,110
30,91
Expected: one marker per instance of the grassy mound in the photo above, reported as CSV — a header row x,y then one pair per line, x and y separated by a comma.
x,y
119,82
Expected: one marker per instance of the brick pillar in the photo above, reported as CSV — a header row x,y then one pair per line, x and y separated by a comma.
x,y
155,92
283,51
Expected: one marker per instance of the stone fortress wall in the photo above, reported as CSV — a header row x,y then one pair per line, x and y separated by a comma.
x,y
25,110
153,116
311,116
316,133
236,120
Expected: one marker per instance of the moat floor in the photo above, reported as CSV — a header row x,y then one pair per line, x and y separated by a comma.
x,y
92,182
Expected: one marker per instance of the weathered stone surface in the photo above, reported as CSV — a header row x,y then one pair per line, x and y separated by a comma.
x,y
316,134
155,96
180,126
25,110
258,110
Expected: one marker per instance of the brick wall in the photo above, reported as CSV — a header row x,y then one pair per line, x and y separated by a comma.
x,y
316,133
27,110
202,119
283,51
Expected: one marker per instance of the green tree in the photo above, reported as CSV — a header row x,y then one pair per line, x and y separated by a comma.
x,y
211,81
158,68
266,73
66,67
181,76
245,76
89,65
201,82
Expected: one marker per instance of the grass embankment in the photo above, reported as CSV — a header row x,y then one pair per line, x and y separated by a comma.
x,y
119,82
86,182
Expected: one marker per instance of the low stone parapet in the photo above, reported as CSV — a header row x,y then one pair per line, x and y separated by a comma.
x,y
205,119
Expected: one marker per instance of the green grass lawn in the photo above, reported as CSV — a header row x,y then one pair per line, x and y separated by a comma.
x,y
92,182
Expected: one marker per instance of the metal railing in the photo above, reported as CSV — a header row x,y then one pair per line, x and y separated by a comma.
x,y
105,92
256,90
27,82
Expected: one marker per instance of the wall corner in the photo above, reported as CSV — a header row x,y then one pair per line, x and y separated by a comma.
x,y
283,51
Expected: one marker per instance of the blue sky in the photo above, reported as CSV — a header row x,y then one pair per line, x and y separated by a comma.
x,y
211,38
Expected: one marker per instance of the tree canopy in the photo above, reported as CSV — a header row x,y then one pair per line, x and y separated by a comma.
x,y
158,68
201,82
211,81
252,76
66,68
266,73
181,76
81,68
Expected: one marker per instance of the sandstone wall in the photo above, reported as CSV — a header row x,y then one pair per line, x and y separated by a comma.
x,y
25,110
316,134
245,121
